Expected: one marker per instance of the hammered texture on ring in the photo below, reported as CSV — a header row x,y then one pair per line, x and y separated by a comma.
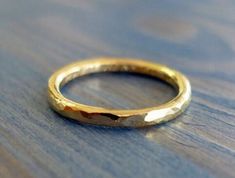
x,y
115,117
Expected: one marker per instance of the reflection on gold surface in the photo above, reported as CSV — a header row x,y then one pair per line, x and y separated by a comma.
x,y
111,117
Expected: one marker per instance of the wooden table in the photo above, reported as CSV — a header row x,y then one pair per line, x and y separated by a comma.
x,y
195,37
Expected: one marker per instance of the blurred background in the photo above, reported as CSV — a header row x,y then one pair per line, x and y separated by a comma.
x,y
195,37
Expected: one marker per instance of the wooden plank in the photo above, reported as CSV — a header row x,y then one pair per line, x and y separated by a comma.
x,y
195,37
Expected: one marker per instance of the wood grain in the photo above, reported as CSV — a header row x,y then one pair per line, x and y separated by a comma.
x,y
195,37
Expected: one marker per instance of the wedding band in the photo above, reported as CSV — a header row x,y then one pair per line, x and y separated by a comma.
x,y
115,117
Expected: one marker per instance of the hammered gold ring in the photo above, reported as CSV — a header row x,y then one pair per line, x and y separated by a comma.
x,y
115,117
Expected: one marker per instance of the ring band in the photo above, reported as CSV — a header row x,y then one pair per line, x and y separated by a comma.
x,y
112,117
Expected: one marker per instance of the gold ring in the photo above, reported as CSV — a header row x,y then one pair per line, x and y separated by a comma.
x,y
114,117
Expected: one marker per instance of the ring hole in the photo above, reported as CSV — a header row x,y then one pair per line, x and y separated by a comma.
x,y
119,90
